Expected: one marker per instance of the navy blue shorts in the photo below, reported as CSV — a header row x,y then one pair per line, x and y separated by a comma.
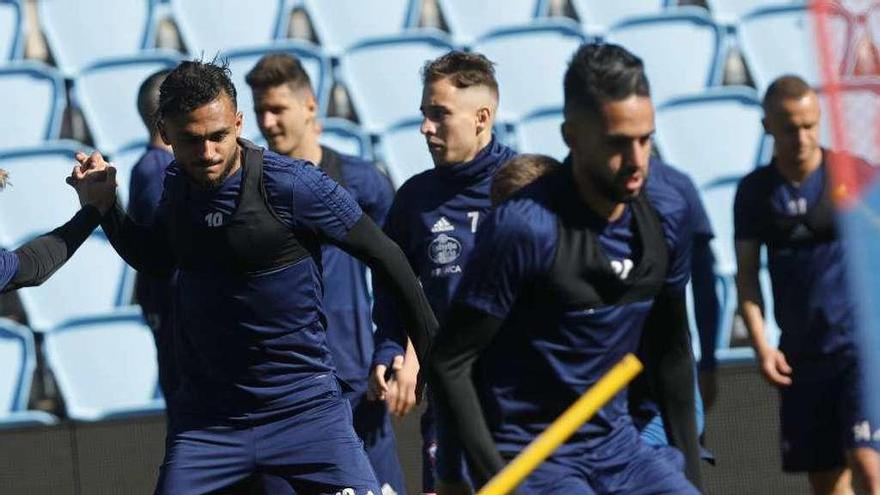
x,y
823,415
622,465
314,449
373,425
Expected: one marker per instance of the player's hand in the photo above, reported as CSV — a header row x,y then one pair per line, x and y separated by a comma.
x,y
94,181
452,487
401,396
775,367
377,387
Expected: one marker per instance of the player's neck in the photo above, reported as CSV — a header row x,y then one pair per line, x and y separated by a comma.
x,y
157,142
794,170
309,149
596,200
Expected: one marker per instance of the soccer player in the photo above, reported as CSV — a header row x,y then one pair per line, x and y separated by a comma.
x,y
563,279
286,112
145,190
436,213
787,206
243,227
35,261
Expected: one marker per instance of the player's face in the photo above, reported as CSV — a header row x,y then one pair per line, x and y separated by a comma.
x,y
204,141
286,117
452,119
612,147
794,125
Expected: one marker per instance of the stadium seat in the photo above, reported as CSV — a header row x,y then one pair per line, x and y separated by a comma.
x,y
80,32
346,137
37,199
468,20
241,61
106,92
17,363
711,135
340,24
781,40
859,106
383,77
105,366
91,282
530,62
718,199
404,151
679,48
11,42
598,16
729,12
540,132
209,27
37,105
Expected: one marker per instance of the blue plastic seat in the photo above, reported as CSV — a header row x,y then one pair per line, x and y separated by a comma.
x,y
468,20
37,198
718,199
341,24
241,61
346,137
679,47
124,160
122,29
11,43
105,366
383,77
404,151
859,106
598,16
526,87
33,103
731,11
17,363
107,91
781,40
711,135
92,281
540,132
209,27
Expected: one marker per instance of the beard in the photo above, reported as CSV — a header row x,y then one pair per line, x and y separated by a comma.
x,y
212,184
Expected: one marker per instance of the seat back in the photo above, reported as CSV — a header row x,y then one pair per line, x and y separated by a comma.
x,y
468,20
405,152
17,361
340,24
540,132
598,16
209,27
34,96
10,30
346,137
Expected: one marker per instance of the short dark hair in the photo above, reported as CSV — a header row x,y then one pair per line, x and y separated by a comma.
x,y
192,84
463,69
148,98
517,173
783,88
602,72
276,69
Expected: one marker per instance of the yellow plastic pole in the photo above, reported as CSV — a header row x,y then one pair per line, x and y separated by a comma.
x,y
564,426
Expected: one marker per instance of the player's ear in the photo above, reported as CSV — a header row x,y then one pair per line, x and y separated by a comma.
x,y
764,123
160,125
567,133
484,119
238,123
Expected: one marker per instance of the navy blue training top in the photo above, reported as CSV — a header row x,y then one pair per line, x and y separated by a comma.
x,y
346,296
433,219
253,345
544,357
811,296
662,175
8,267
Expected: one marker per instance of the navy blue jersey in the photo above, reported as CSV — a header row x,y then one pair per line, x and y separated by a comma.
x,y
8,267
145,185
346,295
811,295
251,345
662,175
547,354
433,219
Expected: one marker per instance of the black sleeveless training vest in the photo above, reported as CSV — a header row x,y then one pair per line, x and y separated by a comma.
x,y
581,276
254,239
818,225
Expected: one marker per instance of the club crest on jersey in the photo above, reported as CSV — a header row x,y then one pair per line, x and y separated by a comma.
x,y
444,249
442,225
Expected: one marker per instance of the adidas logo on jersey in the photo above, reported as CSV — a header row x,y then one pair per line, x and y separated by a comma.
x,y
442,225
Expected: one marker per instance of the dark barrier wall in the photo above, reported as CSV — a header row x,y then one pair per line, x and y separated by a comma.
x,y
122,457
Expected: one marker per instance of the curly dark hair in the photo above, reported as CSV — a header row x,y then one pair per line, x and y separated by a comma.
x,y
193,84
276,69
464,69
603,72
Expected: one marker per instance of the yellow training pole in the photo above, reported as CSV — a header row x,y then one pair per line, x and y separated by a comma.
x,y
564,426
